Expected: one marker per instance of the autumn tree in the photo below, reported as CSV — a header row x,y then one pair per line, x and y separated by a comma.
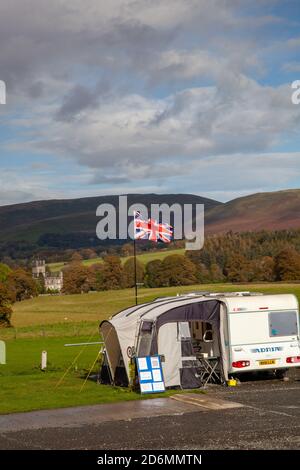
x,y
203,273
287,265
203,264
21,285
215,273
129,271
237,269
263,269
112,272
76,257
4,272
97,276
154,273
178,270
127,249
5,306
88,253
77,279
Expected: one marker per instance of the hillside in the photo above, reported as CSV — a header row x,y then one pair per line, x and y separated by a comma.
x,y
73,221
263,211
56,225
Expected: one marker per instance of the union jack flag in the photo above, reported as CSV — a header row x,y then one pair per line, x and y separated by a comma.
x,y
151,230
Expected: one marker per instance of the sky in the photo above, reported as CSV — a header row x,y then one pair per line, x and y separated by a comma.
x,y
164,96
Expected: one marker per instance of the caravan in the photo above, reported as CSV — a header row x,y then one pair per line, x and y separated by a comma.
x,y
236,332
263,333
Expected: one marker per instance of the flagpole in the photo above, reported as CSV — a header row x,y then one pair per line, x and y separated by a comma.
x,y
135,276
134,256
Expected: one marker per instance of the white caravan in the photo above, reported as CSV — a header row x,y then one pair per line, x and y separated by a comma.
x,y
263,332
243,331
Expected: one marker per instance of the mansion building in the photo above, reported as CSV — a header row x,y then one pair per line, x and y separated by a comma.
x,y
53,281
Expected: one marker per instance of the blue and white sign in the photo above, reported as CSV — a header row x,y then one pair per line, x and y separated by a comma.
x,y
150,374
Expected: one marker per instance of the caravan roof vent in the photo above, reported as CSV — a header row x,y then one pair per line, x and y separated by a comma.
x,y
246,293
196,293
232,294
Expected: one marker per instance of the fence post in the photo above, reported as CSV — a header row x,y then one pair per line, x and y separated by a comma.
x,y
44,360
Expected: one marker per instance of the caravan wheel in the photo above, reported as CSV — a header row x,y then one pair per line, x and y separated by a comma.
x,y
280,373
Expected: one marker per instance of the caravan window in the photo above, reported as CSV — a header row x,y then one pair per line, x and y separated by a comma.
x,y
183,330
283,323
145,339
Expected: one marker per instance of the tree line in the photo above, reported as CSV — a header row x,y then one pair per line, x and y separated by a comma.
x,y
195,267
248,257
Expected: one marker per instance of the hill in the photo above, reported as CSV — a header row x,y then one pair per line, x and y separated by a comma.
x,y
72,222
56,225
263,211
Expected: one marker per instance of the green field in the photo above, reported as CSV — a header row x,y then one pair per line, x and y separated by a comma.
x,y
69,313
49,322
25,387
143,258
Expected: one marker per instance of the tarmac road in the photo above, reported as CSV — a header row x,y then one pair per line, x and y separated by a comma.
x,y
269,419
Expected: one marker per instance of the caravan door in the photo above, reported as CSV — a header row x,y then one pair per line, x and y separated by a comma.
x,y
178,360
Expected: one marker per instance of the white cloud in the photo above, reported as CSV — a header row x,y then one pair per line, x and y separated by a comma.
x,y
138,91
39,40
126,133
223,178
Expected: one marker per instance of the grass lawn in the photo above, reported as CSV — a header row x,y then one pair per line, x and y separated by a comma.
x,y
143,258
24,387
48,322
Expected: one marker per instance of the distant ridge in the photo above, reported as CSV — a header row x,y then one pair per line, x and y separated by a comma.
x,y
277,210
32,220
71,223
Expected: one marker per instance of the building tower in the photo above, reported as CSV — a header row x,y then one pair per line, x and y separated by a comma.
x,y
38,267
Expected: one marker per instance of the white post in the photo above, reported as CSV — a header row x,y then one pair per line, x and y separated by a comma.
x,y
44,360
2,353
